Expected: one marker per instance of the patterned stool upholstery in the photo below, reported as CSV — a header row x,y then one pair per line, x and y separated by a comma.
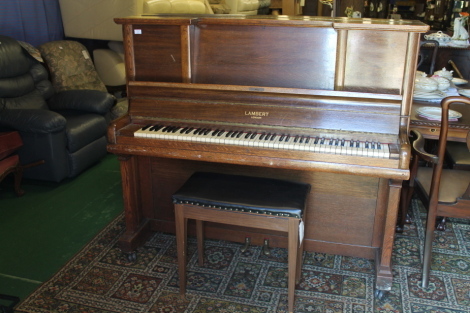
x,y
256,202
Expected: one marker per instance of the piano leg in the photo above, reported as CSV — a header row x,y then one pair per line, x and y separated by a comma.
x,y
137,227
383,260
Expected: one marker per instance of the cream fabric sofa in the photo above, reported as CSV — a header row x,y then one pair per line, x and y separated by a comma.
x,y
247,7
92,19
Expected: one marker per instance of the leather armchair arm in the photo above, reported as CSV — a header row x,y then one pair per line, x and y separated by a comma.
x,y
32,121
93,101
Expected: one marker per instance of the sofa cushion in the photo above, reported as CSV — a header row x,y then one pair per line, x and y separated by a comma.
x,y
174,6
247,5
70,66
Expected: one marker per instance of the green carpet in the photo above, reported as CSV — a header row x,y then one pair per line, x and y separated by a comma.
x,y
42,230
100,279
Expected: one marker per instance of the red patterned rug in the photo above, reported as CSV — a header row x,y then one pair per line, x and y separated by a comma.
x,y
100,279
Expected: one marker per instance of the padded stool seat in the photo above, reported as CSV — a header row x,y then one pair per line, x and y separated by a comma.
x,y
256,202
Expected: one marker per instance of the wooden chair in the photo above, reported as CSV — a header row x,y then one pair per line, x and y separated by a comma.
x,y
422,56
256,202
10,143
445,192
458,155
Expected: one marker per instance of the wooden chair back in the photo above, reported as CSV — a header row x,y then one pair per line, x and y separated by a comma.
x,y
438,203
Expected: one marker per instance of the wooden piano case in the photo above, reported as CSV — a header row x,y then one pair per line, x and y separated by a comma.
x,y
351,78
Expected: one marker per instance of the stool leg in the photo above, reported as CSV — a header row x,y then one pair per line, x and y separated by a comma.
x,y
293,246
298,270
181,239
200,241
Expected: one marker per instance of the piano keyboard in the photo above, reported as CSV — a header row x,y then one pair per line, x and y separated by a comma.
x,y
266,140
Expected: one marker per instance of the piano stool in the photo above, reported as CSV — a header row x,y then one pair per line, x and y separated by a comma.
x,y
256,202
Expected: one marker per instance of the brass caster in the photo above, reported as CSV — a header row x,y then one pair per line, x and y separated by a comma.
x,y
247,244
266,250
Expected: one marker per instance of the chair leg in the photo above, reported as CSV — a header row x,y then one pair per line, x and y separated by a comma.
x,y
200,241
427,253
181,239
18,175
293,246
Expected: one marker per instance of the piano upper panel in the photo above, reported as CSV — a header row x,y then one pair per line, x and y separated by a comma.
x,y
375,62
255,59
374,56
160,55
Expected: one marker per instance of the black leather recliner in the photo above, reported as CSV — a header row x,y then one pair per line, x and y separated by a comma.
x,y
67,129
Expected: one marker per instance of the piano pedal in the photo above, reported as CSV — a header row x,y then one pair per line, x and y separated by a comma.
x,y
247,244
266,250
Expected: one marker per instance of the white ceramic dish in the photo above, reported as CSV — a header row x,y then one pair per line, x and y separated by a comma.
x,y
435,113
464,92
428,95
459,81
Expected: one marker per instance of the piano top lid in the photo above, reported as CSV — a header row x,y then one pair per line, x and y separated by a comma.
x,y
278,20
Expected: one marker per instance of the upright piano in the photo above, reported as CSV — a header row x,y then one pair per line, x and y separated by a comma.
x,y
319,100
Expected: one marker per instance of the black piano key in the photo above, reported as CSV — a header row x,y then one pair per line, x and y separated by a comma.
x,y
146,127
239,134
282,137
248,134
229,133
253,136
307,140
156,128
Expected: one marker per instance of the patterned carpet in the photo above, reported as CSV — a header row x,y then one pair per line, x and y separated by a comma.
x,y
99,279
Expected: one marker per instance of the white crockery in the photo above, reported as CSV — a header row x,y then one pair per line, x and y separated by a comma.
x,y
439,37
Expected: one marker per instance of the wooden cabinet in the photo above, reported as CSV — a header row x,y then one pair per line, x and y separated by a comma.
x,y
460,57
